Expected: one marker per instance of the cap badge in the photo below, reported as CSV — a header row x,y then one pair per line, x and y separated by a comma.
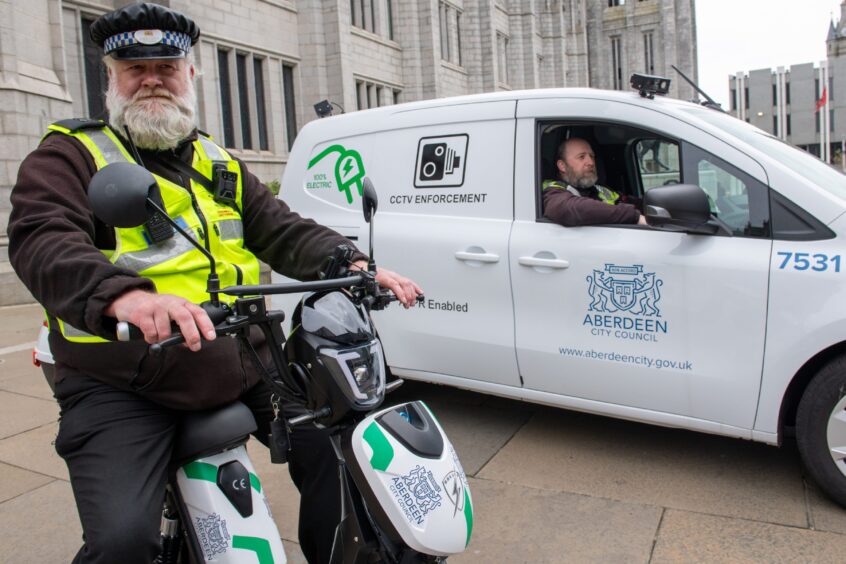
x,y
149,36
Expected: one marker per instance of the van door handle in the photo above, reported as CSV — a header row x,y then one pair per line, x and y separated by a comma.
x,y
476,256
543,262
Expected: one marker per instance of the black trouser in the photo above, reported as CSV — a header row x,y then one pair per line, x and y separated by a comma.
x,y
117,447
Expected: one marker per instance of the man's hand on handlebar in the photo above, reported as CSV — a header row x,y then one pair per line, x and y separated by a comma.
x,y
405,289
153,314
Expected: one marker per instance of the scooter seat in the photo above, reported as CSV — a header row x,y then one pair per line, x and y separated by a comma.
x,y
206,432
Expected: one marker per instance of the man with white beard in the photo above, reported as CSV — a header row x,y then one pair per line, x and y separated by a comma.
x,y
119,405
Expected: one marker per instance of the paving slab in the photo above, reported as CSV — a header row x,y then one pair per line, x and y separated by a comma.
x,y
41,526
34,450
20,376
825,515
20,324
694,537
519,524
21,413
17,481
598,456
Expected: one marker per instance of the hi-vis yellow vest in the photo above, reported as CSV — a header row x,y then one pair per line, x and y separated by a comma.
x,y
605,194
174,265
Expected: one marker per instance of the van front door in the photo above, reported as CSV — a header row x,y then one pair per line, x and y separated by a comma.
x,y
637,322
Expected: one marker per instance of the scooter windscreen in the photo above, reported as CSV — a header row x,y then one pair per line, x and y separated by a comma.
x,y
332,316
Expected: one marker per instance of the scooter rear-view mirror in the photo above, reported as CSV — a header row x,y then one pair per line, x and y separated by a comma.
x,y
118,194
369,203
369,200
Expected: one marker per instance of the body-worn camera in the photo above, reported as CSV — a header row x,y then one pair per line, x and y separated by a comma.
x,y
224,184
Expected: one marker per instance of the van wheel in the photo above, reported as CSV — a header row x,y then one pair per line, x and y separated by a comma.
x,y
821,429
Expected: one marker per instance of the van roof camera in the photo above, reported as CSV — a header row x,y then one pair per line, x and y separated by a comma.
x,y
648,86
323,108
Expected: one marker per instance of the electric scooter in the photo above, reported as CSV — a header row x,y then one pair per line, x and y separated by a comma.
x,y
405,497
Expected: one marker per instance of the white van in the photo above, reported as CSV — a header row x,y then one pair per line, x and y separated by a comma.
x,y
733,325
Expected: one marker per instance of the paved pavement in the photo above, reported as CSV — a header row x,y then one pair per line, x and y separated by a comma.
x,y
548,485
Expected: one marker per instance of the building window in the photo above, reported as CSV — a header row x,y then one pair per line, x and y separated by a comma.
x,y
290,104
830,93
361,16
96,78
616,63
787,123
261,109
502,57
831,119
226,98
733,99
816,89
648,53
375,16
389,17
242,98
449,24
612,3
775,95
775,125
369,94
746,97
787,93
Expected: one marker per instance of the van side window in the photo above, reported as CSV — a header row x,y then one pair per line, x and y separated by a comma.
x,y
737,199
658,163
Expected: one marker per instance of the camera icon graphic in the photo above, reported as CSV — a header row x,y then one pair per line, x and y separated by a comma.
x,y
440,161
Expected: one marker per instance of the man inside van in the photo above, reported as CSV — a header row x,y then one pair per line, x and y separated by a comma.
x,y
120,405
575,198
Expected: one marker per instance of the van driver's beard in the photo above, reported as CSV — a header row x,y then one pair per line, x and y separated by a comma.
x,y
585,180
156,118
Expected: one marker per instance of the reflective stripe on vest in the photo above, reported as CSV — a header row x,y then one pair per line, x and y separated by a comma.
x,y
175,265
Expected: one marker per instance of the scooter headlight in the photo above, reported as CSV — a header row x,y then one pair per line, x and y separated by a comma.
x,y
359,372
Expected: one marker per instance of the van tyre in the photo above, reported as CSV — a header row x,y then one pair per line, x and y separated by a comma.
x,y
821,429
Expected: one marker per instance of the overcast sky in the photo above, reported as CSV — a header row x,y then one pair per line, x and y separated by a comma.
x,y
743,35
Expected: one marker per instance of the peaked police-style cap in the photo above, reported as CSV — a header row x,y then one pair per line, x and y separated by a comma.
x,y
145,31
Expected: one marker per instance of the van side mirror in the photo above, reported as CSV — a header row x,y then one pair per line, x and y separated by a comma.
x,y
679,207
118,194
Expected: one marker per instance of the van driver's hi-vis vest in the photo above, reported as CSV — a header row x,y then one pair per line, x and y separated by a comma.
x,y
605,194
174,265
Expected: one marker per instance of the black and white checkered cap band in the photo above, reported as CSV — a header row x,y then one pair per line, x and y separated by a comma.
x,y
127,38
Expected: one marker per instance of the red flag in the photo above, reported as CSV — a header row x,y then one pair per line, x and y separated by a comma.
x,y
821,101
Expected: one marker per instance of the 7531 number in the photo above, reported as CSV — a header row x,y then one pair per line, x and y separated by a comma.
x,y
818,262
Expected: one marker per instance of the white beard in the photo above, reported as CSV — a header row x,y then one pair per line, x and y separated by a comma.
x,y
155,124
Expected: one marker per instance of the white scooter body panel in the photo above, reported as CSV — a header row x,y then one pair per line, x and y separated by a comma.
x,y
223,534
426,499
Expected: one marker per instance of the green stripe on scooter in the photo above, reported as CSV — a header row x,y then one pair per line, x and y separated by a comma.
x,y
383,452
468,516
260,546
208,472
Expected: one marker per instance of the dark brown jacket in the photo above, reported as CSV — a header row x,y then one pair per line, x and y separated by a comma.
x,y
570,210
54,246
